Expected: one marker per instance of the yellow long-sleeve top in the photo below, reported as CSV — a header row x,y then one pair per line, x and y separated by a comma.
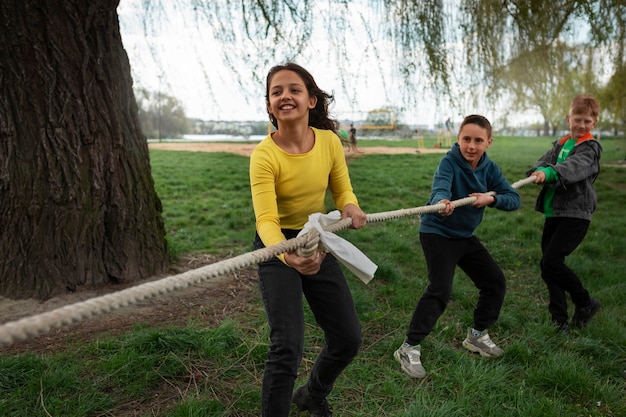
x,y
286,188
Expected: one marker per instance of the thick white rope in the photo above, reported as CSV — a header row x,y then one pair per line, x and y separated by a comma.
x,y
42,323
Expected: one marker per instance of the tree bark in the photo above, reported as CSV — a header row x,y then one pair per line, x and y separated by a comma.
x,y
77,200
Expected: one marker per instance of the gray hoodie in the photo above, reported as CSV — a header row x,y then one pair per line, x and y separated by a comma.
x,y
574,194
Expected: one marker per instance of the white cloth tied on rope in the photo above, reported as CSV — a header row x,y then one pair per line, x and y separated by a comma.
x,y
348,254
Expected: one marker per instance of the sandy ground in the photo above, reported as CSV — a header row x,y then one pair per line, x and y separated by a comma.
x,y
245,149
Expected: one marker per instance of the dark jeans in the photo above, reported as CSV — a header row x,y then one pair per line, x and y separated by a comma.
x,y
561,235
442,256
329,297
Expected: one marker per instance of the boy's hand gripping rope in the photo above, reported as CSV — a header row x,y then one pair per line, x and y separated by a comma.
x,y
313,238
42,323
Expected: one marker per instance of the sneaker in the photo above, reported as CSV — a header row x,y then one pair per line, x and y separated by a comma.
x,y
482,344
561,327
304,402
409,358
583,315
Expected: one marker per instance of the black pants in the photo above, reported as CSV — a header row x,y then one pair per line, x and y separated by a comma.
x,y
561,235
442,256
331,302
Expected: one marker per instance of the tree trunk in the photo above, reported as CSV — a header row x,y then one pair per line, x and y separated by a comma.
x,y
77,200
546,127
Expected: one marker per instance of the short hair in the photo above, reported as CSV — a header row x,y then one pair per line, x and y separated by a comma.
x,y
476,119
585,104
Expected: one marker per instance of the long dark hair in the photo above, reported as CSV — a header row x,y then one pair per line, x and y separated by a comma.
x,y
318,116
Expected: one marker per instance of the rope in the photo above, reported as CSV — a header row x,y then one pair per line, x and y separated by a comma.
x,y
36,325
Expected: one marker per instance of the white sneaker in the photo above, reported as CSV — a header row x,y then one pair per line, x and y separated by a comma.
x,y
409,358
482,344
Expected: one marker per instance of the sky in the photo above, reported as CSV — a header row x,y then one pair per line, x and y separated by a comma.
x,y
175,61
180,59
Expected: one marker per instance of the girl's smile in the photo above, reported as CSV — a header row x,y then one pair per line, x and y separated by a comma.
x,y
289,99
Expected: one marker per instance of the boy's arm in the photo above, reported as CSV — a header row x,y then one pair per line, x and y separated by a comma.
x,y
550,174
506,197
582,163
545,159
579,165
442,182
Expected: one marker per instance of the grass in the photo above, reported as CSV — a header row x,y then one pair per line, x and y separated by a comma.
x,y
198,371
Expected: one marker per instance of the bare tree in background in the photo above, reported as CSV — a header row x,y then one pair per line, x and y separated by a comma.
x,y
161,115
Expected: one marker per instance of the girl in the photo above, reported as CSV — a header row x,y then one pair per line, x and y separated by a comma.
x,y
290,171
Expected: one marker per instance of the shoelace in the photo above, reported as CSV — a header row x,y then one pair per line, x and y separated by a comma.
x,y
414,356
486,340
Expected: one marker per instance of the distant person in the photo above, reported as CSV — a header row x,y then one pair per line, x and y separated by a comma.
x,y
567,201
448,135
352,137
420,139
447,239
290,172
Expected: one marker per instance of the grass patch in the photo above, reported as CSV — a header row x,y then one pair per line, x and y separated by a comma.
x,y
197,371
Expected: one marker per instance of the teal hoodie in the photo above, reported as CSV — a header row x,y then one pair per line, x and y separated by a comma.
x,y
455,179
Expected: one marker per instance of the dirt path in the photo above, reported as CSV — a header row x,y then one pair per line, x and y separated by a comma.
x,y
245,149
209,302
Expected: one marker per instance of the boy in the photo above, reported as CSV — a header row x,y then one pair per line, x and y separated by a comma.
x,y
447,239
568,200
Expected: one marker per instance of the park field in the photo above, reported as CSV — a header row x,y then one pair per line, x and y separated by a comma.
x,y
200,366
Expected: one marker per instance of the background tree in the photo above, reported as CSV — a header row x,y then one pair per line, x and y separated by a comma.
x,y
161,115
78,203
545,45
456,49
546,79
613,99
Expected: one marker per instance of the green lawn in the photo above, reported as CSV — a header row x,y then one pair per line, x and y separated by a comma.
x,y
217,371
